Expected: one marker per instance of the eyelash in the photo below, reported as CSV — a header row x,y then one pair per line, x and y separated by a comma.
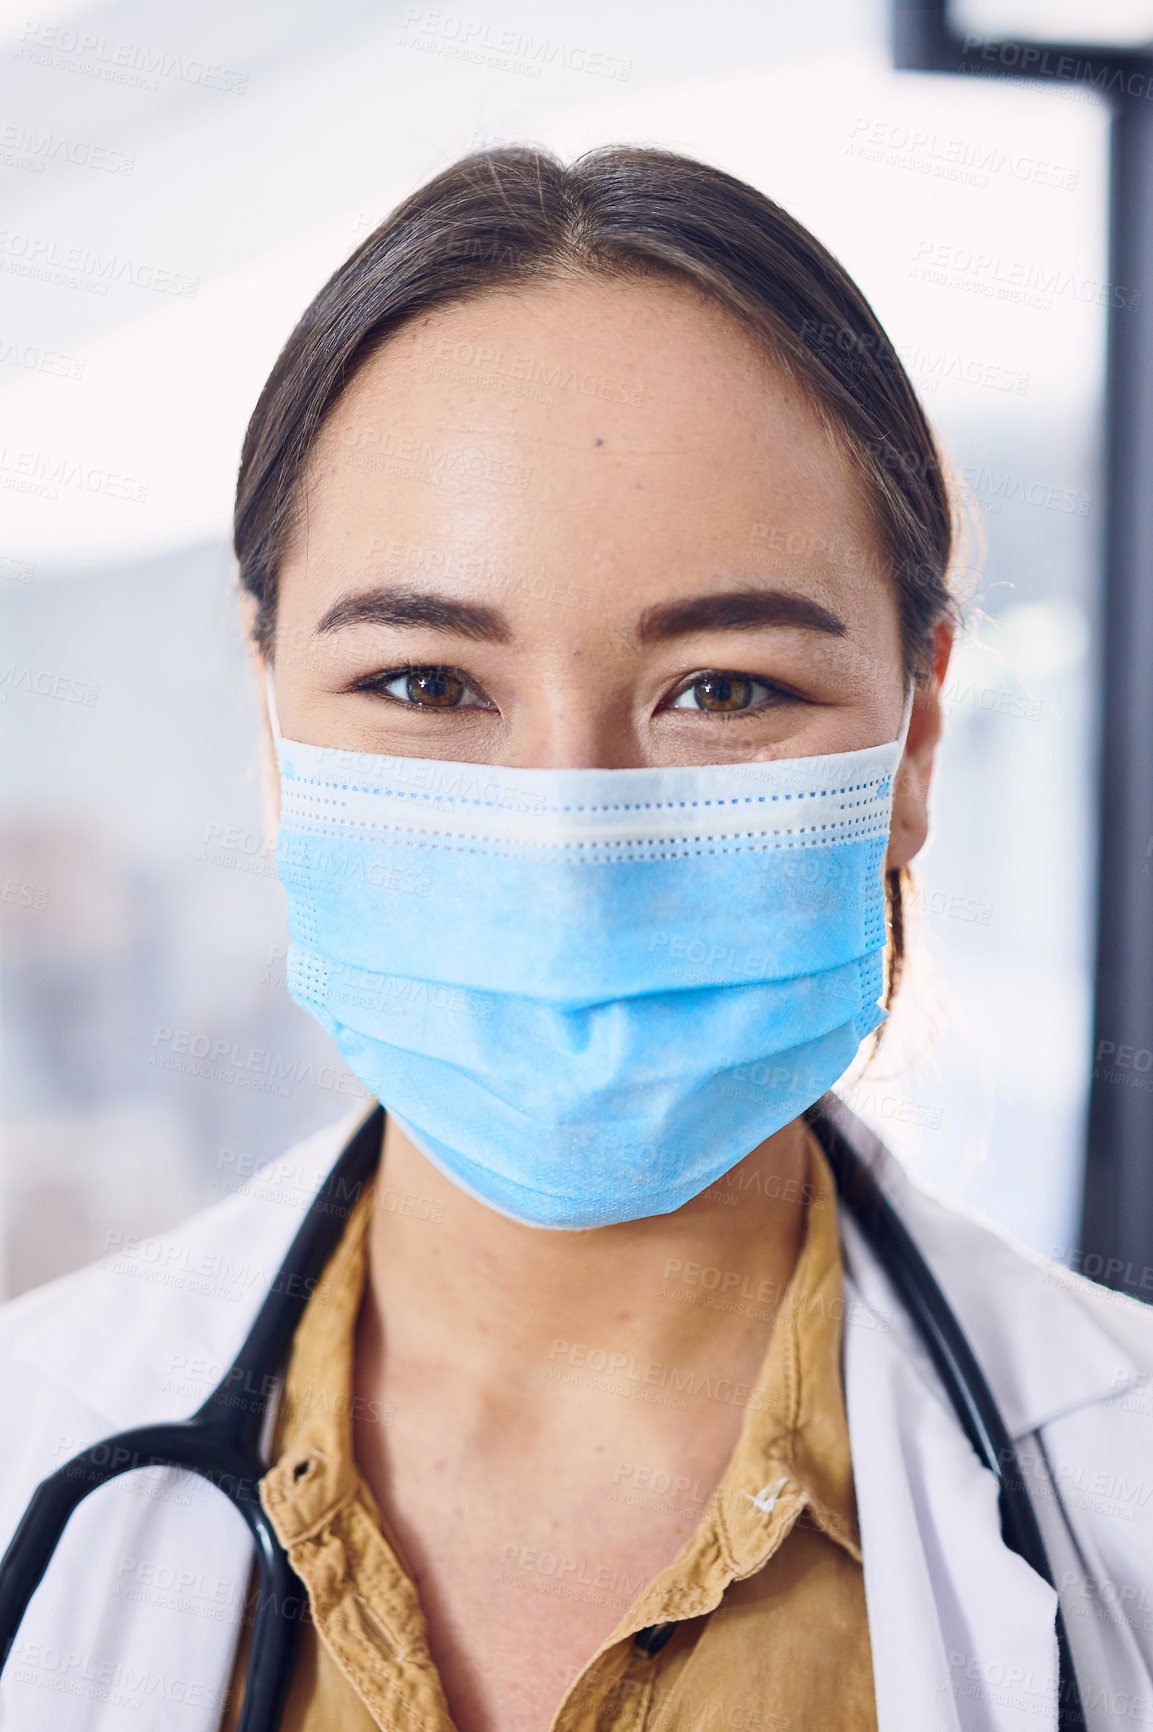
x,y
777,692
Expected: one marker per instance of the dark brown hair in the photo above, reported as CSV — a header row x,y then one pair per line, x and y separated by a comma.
x,y
507,217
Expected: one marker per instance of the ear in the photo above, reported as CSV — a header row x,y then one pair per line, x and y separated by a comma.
x,y
910,825
258,666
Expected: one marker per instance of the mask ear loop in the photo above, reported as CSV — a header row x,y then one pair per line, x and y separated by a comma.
x,y
273,713
906,718
270,780
893,897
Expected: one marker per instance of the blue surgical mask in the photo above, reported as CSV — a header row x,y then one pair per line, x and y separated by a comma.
x,y
587,994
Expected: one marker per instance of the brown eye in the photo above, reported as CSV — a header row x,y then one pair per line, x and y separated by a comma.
x,y
719,692
434,688
427,688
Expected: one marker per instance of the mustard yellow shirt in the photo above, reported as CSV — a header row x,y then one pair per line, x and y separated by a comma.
x,y
767,1594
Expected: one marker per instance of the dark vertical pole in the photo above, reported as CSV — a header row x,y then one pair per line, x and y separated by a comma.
x,y
921,39
1117,1222
1118,1205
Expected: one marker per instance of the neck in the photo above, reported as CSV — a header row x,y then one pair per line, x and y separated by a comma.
x,y
453,1283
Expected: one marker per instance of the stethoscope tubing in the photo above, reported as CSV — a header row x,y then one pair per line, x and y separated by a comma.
x,y
197,1448
956,1365
222,1441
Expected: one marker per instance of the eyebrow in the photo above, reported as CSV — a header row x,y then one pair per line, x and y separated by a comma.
x,y
731,610
417,607
737,610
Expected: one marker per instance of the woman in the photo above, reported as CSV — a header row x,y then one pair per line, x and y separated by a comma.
x,y
595,557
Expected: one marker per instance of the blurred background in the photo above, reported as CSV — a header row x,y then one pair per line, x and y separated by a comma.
x,y
178,181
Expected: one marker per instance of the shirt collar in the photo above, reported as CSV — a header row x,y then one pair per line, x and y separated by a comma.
x,y
792,1455
315,1470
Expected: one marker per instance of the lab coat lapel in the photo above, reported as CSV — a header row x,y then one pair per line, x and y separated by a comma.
x,y
962,1630
1045,1350
137,1618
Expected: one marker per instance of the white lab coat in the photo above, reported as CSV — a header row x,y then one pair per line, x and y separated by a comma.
x,y
135,1623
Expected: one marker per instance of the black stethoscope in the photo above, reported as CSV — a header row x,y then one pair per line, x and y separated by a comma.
x,y
222,1441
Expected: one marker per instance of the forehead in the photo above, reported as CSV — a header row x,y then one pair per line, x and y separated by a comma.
x,y
589,424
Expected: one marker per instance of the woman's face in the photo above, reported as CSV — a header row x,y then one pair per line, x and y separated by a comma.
x,y
585,524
